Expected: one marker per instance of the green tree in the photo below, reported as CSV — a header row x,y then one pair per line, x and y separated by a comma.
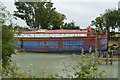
x,y
109,20
7,44
57,20
39,14
70,25
7,35
98,22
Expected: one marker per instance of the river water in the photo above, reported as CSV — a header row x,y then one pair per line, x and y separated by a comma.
x,y
53,63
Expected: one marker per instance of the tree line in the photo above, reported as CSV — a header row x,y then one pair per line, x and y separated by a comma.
x,y
41,15
44,16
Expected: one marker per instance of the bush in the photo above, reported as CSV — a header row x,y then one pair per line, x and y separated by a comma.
x,y
86,66
7,44
12,71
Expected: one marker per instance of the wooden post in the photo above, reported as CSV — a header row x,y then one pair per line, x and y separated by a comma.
x,y
106,58
111,57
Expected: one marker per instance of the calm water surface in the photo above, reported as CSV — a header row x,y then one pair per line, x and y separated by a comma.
x,y
53,62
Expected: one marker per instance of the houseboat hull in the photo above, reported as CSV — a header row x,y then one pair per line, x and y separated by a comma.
x,y
66,44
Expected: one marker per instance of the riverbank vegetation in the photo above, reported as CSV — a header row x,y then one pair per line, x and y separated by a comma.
x,y
7,36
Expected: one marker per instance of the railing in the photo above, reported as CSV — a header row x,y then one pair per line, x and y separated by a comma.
x,y
108,55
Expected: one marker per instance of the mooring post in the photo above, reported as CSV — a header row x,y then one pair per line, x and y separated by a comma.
x,y
106,58
111,57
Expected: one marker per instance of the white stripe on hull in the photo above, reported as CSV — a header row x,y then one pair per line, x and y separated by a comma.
x,y
50,35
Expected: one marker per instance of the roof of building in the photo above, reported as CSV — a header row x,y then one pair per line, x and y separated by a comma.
x,y
55,32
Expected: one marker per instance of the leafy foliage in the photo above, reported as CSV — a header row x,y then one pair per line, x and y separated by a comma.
x,y
98,22
57,20
16,27
86,66
5,16
13,71
7,35
109,20
70,25
39,14
7,44
2,15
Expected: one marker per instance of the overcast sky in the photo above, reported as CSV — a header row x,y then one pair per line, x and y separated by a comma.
x,y
82,12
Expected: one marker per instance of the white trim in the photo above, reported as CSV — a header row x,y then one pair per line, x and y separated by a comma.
x,y
50,35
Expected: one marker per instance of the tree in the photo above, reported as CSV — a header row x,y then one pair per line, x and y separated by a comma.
x,y
57,20
39,14
7,44
109,20
98,22
7,36
118,22
70,25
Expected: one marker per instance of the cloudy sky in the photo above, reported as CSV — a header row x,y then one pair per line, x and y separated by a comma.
x,y
82,12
